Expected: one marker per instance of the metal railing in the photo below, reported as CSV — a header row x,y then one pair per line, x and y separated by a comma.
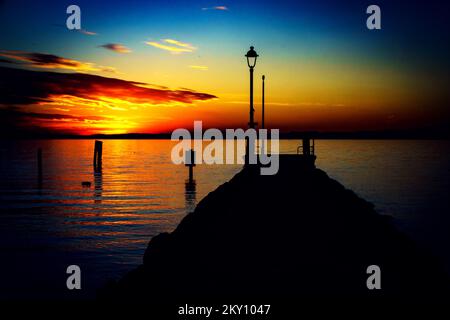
x,y
301,149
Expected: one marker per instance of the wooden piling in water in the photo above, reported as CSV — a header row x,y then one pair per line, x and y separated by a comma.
x,y
191,173
98,150
190,162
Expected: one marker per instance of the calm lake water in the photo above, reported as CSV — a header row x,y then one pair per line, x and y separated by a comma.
x,y
105,228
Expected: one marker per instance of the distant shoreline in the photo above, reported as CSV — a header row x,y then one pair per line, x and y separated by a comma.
x,y
418,134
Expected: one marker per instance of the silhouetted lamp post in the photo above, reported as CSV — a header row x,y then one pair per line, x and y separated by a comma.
x,y
251,61
262,105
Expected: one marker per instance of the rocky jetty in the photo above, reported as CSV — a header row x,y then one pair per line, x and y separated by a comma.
x,y
298,233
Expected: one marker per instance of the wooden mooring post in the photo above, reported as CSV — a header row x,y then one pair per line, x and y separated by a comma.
x,y
98,149
190,162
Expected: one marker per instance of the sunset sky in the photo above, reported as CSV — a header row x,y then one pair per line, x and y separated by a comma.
x,y
153,66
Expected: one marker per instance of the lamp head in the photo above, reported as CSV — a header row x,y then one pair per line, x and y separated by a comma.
x,y
251,57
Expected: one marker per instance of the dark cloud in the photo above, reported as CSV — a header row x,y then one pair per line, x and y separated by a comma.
x,y
51,61
116,47
41,59
6,61
24,87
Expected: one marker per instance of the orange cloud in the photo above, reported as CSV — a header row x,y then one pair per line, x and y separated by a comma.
x,y
15,120
50,61
82,103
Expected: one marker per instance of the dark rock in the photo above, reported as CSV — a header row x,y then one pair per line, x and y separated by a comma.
x,y
295,234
